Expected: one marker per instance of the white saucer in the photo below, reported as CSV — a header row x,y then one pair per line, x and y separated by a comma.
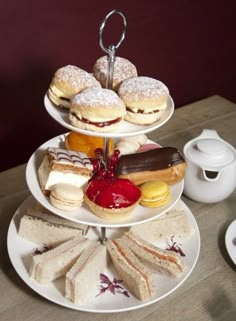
x,y
126,129
230,241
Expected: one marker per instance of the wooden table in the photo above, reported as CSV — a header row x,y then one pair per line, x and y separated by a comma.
x,y
210,291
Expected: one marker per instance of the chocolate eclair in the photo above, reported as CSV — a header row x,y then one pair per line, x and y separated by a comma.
x,y
166,164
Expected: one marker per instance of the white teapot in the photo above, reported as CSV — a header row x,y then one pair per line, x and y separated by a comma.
x,y
211,168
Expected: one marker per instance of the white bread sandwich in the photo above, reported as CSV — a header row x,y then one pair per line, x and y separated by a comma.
x,y
54,263
174,222
154,258
136,277
41,226
85,273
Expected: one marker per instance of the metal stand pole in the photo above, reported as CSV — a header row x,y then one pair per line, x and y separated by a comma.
x,y
110,51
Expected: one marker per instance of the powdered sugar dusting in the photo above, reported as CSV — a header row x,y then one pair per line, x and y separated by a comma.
x,y
144,87
76,77
97,97
123,69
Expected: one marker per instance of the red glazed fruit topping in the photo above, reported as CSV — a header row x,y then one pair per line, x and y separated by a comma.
x,y
113,193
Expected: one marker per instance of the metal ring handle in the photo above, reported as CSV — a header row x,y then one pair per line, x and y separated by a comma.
x,y
103,24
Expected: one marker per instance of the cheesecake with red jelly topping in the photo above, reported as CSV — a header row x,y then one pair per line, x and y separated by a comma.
x,y
112,198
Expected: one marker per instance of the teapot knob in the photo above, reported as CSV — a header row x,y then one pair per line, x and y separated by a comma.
x,y
209,133
211,146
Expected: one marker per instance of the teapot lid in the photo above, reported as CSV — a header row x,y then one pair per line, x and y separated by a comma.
x,y
210,151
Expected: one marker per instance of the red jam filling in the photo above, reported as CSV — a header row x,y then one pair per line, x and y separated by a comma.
x,y
99,124
113,193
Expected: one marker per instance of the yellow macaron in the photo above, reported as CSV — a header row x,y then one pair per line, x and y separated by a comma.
x,y
154,193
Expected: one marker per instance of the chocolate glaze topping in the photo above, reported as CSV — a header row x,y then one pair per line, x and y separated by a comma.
x,y
151,160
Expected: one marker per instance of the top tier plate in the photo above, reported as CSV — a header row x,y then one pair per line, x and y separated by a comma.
x,y
126,128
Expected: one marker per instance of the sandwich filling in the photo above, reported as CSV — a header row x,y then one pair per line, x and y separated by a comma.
x,y
64,223
56,256
129,262
90,254
161,255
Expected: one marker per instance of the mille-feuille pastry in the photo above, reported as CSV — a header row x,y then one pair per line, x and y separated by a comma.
x,y
67,82
166,164
97,109
123,69
145,99
63,166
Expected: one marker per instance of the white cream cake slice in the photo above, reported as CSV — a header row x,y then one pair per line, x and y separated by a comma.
x,y
64,166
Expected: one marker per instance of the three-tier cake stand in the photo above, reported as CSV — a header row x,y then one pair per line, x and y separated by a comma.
x,y
100,228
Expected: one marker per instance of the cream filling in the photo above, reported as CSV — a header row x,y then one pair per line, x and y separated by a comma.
x,y
58,92
94,118
149,109
58,101
67,178
66,202
155,199
48,177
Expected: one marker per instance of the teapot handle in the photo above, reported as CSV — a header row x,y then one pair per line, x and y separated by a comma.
x,y
209,133
210,179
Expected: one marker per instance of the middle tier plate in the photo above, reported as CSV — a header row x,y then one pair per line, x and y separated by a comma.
x,y
84,215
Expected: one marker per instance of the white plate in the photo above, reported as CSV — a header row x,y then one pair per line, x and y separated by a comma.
x,y
20,251
83,214
126,128
230,241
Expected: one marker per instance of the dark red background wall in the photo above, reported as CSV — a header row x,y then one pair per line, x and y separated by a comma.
x,y
189,45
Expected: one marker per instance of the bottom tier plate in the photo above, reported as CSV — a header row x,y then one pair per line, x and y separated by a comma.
x,y
21,250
